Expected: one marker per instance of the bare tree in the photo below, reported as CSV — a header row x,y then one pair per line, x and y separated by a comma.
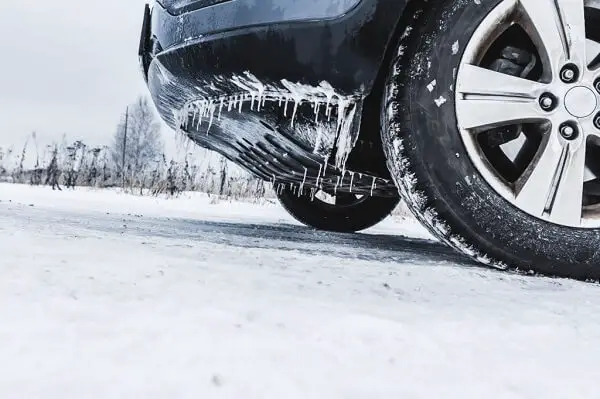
x,y
18,172
137,143
2,168
223,165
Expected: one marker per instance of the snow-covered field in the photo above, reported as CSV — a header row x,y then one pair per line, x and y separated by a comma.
x,y
106,295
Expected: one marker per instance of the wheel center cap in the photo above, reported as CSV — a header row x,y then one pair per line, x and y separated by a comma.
x,y
580,101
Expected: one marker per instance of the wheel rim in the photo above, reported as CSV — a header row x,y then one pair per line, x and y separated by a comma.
x,y
552,113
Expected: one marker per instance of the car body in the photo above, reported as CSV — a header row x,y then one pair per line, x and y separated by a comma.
x,y
277,86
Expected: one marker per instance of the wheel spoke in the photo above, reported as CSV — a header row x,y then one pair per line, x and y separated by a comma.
x,y
560,26
489,99
568,199
592,51
553,186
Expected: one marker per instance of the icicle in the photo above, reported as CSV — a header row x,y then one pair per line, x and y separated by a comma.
x,y
200,115
319,174
195,115
221,107
342,104
329,94
317,112
373,186
304,178
211,110
296,103
351,180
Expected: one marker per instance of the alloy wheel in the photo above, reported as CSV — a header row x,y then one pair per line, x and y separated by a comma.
x,y
533,131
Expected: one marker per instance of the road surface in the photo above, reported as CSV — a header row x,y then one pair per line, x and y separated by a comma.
x,y
107,295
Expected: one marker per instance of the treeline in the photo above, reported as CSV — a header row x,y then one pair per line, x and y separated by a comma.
x,y
76,164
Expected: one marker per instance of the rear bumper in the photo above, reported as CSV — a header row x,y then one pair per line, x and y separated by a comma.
x,y
232,75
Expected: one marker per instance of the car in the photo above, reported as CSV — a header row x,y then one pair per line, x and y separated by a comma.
x,y
482,115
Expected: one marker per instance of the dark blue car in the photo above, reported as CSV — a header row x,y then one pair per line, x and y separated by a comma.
x,y
483,115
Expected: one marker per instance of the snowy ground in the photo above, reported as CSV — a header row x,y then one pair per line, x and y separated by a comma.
x,y
105,295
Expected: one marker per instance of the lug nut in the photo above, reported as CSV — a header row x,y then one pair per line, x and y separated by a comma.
x,y
547,102
569,73
568,131
597,121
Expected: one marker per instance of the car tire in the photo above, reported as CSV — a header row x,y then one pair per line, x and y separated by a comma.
x,y
434,172
349,215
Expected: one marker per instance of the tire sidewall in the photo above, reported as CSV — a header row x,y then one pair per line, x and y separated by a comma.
x,y
451,185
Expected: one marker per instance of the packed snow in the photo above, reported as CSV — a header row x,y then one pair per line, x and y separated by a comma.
x,y
108,295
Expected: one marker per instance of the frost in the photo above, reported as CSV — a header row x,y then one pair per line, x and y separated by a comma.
x,y
455,48
440,101
253,86
407,32
431,85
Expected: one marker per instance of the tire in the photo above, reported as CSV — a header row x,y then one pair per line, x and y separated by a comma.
x,y
434,172
347,216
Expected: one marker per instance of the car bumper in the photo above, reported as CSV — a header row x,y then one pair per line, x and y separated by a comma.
x,y
298,75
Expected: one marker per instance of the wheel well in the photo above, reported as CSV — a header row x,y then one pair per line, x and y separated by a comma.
x,y
369,151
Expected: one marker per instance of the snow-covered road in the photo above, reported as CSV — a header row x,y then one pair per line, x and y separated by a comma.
x,y
105,295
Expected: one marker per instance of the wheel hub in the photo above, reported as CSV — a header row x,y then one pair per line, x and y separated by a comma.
x,y
553,107
580,101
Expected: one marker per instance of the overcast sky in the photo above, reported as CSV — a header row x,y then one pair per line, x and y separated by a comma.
x,y
67,66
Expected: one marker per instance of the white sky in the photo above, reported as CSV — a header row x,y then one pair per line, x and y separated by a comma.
x,y
68,66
